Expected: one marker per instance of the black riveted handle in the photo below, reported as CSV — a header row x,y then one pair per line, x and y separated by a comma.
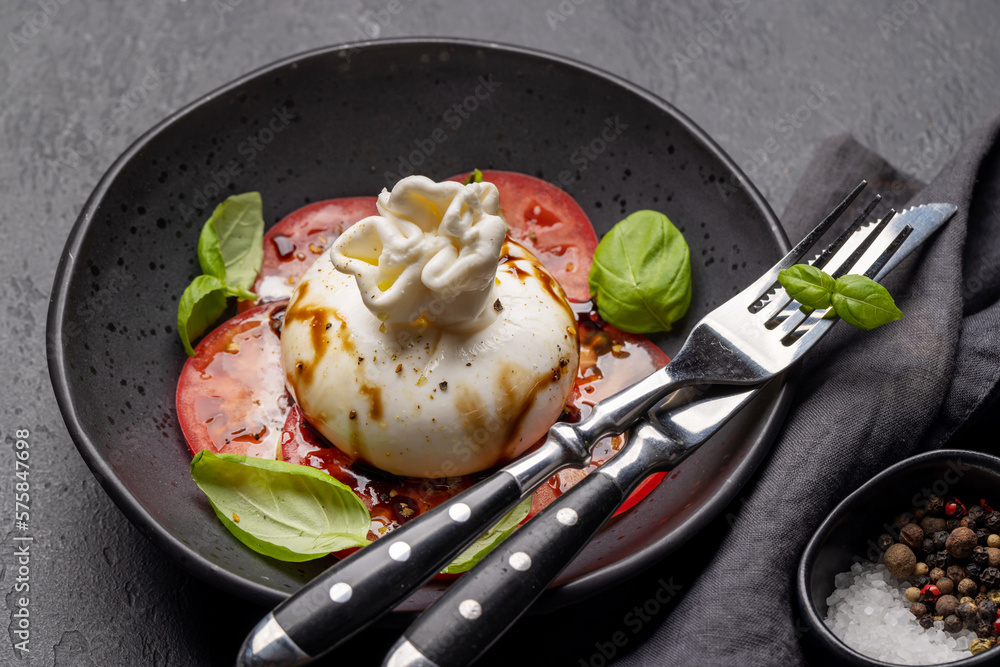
x,y
372,581
483,603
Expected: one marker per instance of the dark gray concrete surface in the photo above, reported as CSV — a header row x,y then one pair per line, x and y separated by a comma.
x,y
768,79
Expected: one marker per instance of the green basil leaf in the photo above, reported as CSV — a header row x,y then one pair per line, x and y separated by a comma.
x,y
641,276
209,252
239,227
475,177
494,536
202,303
285,511
808,285
863,303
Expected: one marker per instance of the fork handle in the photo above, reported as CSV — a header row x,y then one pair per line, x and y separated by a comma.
x,y
480,606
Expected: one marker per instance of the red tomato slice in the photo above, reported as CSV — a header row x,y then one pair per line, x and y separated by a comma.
x,y
231,395
549,223
292,245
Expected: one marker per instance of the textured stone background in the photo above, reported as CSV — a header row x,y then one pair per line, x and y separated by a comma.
x,y
767,78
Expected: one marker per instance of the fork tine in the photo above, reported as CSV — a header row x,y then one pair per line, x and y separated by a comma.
x,y
887,254
861,249
822,260
789,327
810,239
779,301
766,281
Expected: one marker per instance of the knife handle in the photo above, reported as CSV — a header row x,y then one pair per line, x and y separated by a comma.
x,y
479,607
372,581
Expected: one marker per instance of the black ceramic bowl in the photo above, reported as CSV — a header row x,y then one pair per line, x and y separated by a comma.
x,y
844,536
348,121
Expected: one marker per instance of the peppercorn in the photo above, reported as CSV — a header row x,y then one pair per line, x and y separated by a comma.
x,y
966,522
987,609
935,574
992,557
912,595
911,535
921,569
993,522
982,628
961,542
993,541
968,611
972,571
918,514
953,623
955,573
951,524
932,524
900,561
945,585
926,621
980,556
918,609
982,537
995,596
977,513
945,558
967,587
940,540
934,504
918,580
927,546
946,605
990,576
884,541
930,593
979,645
934,561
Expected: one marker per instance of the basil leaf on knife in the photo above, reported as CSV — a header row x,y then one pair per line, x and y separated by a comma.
x,y
239,227
641,276
808,285
863,303
480,548
282,510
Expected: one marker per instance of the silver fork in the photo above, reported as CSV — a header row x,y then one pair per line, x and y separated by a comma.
x,y
478,608
732,345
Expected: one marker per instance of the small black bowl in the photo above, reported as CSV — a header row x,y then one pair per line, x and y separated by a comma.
x,y
846,536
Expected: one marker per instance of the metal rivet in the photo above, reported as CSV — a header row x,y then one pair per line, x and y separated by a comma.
x,y
520,561
399,551
470,609
460,512
340,592
567,517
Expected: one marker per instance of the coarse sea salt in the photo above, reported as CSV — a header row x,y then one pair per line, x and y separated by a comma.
x,y
868,611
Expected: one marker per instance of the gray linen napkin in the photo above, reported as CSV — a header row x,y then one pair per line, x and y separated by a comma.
x,y
864,401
